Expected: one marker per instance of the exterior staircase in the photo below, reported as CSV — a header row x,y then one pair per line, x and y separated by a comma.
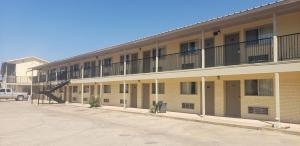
x,y
49,92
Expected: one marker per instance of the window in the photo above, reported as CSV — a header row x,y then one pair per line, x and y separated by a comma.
x,y
74,89
107,62
254,35
251,87
122,58
161,52
87,69
2,90
86,89
8,90
161,88
259,87
258,110
93,68
188,47
106,100
107,89
74,70
122,101
188,88
122,88
187,105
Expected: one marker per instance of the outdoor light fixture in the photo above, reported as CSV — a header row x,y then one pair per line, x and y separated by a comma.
x,y
217,32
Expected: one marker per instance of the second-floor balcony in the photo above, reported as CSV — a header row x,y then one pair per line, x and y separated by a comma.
x,y
248,52
18,79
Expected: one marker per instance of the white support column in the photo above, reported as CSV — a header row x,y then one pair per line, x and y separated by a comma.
x,y
101,68
203,95
5,77
156,57
203,49
100,98
156,70
124,82
275,38
82,85
156,91
31,85
277,100
47,76
56,75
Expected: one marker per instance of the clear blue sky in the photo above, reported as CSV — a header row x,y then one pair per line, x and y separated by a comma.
x,y
55,29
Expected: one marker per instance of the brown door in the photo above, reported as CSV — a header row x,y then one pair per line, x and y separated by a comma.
x,y
146,61
146,96
133,95
70,93
232,49
209,52
134,63
209,98
233,95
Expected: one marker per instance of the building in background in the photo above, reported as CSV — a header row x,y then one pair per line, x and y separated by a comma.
x,y
243,65
17,74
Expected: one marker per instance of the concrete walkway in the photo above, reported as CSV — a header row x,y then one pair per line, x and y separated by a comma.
x,y
217,120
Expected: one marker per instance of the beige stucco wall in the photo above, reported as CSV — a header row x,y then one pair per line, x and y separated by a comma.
x,y
22,69
290,97
289,82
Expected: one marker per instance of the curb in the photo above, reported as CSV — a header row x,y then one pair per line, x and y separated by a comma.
x,y
211,122
207,122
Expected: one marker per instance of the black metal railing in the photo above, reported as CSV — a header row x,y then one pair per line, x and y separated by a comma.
x,y
180,61
52,76
18,79
248,52
113,69
74,74
62,75
135,66
289,47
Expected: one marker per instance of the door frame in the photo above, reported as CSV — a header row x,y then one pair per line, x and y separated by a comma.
x,y
131,95
213,84
225,98
224,40
147,62
148,106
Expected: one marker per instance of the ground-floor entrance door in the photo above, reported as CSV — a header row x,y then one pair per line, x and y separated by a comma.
x,y
233,99
133,95
146,96
209,98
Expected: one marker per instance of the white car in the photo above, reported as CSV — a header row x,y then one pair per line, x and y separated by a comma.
x,y
8,93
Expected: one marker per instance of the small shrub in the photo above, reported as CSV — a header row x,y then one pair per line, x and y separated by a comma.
x,y
94,102
152,109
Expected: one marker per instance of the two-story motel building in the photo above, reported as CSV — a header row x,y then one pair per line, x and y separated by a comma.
x,y
244,65
16,73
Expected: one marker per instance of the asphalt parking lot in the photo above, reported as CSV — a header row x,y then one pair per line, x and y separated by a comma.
x,y
23,124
